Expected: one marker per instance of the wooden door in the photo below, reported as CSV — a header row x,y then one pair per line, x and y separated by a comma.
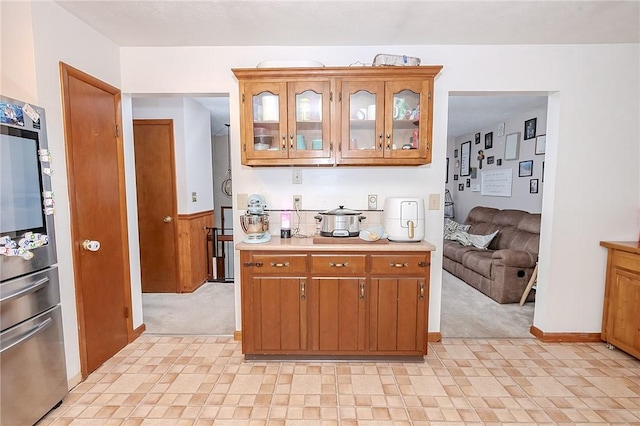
x,y
95,167
338,306
157,205
398,315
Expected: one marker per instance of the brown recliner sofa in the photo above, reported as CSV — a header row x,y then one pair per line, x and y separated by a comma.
x,y
503,270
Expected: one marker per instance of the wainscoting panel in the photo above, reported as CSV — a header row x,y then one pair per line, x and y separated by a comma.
x,y
192,249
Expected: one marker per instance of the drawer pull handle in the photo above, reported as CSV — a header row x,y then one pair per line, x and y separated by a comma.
x,y
361,290
279,265
399,265
421,291
303,290
256,264
339,265
423,264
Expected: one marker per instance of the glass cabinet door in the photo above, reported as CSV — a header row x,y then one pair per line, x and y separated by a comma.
x,y
362,119
404,101
309,120
265,105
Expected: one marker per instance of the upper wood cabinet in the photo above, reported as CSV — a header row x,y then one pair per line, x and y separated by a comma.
x,y
336,115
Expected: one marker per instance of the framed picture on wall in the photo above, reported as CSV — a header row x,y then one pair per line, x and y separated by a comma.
x,y
446,176
541,144
530,128
525,168
533,186
477,138
455,177
465,155
488,140
461,187
490,159
511,146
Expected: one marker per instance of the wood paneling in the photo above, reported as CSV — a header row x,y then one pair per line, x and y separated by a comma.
x,y
192,249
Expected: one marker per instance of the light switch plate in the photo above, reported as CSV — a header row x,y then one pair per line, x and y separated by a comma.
x,y
434,201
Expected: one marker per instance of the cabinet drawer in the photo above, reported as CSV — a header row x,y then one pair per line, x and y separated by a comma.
x,y
401,264
626,260
277,264
338,264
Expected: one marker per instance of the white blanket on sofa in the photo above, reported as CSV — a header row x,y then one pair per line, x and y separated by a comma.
x,y
457,232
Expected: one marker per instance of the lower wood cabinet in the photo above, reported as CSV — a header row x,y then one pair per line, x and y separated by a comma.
x,y
398,315
334,305
621,316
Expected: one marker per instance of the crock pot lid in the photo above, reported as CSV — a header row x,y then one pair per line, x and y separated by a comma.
x,y
341,211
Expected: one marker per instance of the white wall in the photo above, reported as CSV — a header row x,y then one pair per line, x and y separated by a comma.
x,y
594,107
53,36
17,56
220,167
191,137
521,198
198,166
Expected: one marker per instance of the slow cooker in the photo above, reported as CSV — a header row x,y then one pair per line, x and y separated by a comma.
x,y
340,222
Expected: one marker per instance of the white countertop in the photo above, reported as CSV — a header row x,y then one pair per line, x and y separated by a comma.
x,y
279,244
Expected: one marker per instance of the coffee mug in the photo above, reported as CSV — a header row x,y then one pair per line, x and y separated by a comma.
x,y
371,112
399,108
300,143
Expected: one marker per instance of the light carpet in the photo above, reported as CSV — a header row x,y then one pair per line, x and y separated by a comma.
x,y
207,311
467,313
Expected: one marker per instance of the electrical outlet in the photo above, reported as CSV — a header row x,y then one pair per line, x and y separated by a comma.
x,y
297,176
434,201
297,202
194,197
372,201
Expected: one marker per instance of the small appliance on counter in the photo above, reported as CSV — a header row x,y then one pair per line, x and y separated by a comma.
x,y
255,222
340,222
404,218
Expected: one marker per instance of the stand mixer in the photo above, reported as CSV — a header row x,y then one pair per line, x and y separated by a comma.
x,y
255,222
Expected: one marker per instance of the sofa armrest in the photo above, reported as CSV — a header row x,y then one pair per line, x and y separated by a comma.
x,y
515,258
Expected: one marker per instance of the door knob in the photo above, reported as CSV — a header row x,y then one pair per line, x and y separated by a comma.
x,y
167,219
91,245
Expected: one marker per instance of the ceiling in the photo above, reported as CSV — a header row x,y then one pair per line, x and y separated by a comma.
x,y
155,23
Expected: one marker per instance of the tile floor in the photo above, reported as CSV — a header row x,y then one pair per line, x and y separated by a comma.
x,y
196,380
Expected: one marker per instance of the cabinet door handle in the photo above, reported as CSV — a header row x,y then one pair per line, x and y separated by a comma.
x,y
291,141
303,290
380,141
256,264
399,265
284,143
361,290
279,265
421,296
338,265
388,141
423,264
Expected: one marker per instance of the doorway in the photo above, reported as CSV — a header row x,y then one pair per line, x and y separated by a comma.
x,y
196,121
94,151
482,121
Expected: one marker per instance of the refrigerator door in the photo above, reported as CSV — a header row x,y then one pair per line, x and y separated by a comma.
x,y
32,369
